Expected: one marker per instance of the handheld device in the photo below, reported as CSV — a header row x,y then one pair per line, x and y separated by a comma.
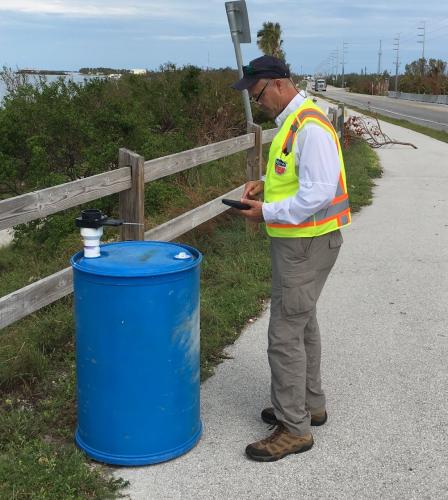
x,y
235,204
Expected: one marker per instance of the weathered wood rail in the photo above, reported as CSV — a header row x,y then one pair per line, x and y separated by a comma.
x,y
128,180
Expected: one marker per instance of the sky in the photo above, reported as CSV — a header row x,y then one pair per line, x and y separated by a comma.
x,y
70,34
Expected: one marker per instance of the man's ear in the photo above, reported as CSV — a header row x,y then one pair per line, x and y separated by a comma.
x,y
278,83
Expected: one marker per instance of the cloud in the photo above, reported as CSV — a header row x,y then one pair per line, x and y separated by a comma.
x,y
154,9
68,8
192,38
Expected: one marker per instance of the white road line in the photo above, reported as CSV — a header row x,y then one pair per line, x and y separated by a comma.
x,y
410,116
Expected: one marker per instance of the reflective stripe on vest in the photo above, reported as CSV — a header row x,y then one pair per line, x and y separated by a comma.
x,y
330,218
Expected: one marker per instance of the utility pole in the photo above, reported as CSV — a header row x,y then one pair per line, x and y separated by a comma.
x,y
334,65
397,49
380,53
337,64
422,36
344,46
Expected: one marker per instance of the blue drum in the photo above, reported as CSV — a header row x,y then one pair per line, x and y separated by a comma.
x,y
137,351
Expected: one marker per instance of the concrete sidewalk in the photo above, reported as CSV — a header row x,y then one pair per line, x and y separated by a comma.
x,y
5,237
383,318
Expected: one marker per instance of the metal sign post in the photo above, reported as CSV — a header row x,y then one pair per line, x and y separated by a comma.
x,y
240,31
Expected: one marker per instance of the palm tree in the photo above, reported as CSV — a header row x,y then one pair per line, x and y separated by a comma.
x,y
269,40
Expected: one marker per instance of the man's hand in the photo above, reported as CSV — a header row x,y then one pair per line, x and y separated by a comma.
x,y
252,189
255,213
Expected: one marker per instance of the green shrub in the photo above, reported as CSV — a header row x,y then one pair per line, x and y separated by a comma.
x,y
159,195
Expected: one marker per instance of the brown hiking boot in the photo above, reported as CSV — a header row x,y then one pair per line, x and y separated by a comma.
x,y
268,416
279,444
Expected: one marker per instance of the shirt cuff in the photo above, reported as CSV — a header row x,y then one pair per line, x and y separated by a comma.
x,y
267,212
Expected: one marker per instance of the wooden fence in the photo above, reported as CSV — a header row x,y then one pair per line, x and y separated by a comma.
x,y
129,181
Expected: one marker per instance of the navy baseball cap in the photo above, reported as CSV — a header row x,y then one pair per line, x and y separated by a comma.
x,y
263,67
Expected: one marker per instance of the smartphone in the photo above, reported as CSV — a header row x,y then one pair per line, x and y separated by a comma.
x,y
235,204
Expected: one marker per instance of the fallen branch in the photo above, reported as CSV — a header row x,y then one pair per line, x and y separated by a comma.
x,y
359,127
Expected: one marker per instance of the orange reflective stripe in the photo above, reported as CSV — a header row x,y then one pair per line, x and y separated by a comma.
x,y
345,214
341,188
314,222
338,199
287,145
311,112
300,121
315,115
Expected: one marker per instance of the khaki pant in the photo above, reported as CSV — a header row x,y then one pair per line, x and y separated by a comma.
x,y
300,267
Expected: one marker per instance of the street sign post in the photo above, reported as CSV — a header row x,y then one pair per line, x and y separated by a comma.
x,y
240,31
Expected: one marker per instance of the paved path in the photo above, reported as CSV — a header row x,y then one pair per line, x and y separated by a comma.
x,y
5,237
383,317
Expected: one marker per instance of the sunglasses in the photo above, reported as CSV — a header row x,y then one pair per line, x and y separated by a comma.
x,y
256,99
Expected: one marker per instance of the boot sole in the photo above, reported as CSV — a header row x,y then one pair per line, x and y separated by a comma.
x,y
274,421
279,457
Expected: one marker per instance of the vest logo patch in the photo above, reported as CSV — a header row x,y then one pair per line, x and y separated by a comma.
x,y
280,166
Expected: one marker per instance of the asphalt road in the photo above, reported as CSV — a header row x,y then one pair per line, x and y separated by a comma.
x,y
429,115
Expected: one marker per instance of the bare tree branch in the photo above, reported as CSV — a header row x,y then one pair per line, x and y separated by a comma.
x,y
359,127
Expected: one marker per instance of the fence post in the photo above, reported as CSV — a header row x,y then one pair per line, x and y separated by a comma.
x,y
254,164
341,113
132,201
332,116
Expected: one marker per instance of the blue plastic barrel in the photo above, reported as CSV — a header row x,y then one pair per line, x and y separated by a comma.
x,y
137,351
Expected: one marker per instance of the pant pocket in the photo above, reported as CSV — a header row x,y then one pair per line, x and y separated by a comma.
x,y
298,293
335,240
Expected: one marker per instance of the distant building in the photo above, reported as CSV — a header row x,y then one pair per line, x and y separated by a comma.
x,y
138,71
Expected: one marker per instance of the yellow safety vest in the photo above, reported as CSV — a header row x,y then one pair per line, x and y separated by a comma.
x,y
282,180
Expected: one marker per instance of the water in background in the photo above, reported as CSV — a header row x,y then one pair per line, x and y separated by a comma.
x,y
76,77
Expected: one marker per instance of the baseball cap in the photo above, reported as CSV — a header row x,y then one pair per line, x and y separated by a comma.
x,y
262,67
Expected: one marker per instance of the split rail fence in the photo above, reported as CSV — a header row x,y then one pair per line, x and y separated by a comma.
x,y
129,181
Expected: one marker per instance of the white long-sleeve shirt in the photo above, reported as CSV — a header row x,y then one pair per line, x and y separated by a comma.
x,y
317,155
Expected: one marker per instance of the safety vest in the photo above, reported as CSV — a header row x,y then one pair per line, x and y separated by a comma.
x,y
282,179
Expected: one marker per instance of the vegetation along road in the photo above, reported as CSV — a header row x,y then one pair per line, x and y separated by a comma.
x,y
430,115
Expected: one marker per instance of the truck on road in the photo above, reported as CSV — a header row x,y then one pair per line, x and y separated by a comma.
x,y
320,84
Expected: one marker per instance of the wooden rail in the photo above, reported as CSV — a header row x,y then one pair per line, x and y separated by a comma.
x,y
189,220
38,204
128,180
178,162
31,298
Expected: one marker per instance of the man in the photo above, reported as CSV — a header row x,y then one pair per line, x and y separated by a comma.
x,y
305,205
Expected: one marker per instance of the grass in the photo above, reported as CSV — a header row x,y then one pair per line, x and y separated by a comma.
x,y
37,368
362,166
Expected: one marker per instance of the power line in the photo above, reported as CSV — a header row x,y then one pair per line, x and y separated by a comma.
x,y
437,36
440,27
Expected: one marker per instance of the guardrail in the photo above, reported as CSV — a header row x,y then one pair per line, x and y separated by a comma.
x,y
436,99
129,181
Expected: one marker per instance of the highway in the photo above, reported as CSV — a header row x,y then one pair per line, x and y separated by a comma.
x,y
430,115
